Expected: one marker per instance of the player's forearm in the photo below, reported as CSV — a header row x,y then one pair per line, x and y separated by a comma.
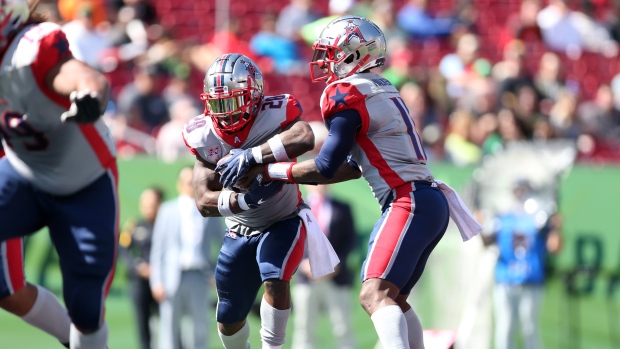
x,y
307,172
209,203
296,140
74,75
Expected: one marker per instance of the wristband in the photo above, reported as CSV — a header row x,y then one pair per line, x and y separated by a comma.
x,y
257,154
241,201
277,148
280,171
223,203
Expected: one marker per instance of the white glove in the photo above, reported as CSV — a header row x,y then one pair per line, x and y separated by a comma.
x,y
85,107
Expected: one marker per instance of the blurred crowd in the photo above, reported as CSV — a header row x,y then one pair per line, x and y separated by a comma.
x,y
474,74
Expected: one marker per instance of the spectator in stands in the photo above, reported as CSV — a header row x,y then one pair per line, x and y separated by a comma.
x,y
523,243
460,67
511,72
599,117
140,101
548,79
337,8
416,20
596,36
558,28
460,150
563,116
522,26
572,32
479,96
280,53
510,127
86,41
142,10
500,129
170,145
226,39
135,242
614,21
400,69
383,15
130,30
293,17
525,106
486,133
543,130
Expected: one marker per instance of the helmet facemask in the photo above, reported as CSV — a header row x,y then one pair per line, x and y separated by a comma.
x,y
231,110
324,61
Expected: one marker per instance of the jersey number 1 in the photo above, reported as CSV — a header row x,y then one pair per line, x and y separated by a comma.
x,y
411,131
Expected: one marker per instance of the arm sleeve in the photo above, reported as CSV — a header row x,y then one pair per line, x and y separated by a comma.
x,y
343,127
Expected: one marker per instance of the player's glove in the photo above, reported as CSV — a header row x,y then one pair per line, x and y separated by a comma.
x,y
259,193
85,107
236,166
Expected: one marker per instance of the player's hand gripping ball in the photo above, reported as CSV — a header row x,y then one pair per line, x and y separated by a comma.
x,y
234,187
234,166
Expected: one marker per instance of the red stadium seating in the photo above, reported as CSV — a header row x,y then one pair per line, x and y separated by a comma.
x,y
196,19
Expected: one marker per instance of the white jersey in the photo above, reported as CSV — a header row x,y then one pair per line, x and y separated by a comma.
x,y
59,158
387,147
205,140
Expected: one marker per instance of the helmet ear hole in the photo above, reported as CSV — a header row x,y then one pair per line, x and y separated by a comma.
x,y
349,59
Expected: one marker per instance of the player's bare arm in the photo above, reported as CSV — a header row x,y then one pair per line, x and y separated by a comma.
x,y
87,88
297,138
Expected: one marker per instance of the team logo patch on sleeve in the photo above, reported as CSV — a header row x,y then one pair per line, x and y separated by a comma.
x,y
214,154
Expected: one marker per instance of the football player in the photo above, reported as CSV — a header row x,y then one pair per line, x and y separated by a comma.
x,y
368,119
264,241
60,165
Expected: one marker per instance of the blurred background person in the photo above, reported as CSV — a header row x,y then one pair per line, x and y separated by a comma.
x,y
330,294
524,235
170,146
181,266
275,52
293,17
135,242
416,20
86,41
140,102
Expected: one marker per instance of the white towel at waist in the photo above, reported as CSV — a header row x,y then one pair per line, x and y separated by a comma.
x,y
460,214
321,254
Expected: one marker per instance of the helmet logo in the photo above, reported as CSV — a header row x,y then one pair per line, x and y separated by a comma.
x,y
249,67
353,30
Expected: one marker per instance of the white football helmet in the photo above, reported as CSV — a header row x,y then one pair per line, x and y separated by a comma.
x,y
13,13
233,91
348,45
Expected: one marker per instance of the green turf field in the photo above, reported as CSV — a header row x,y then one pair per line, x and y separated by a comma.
x,y
590,198
591,331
